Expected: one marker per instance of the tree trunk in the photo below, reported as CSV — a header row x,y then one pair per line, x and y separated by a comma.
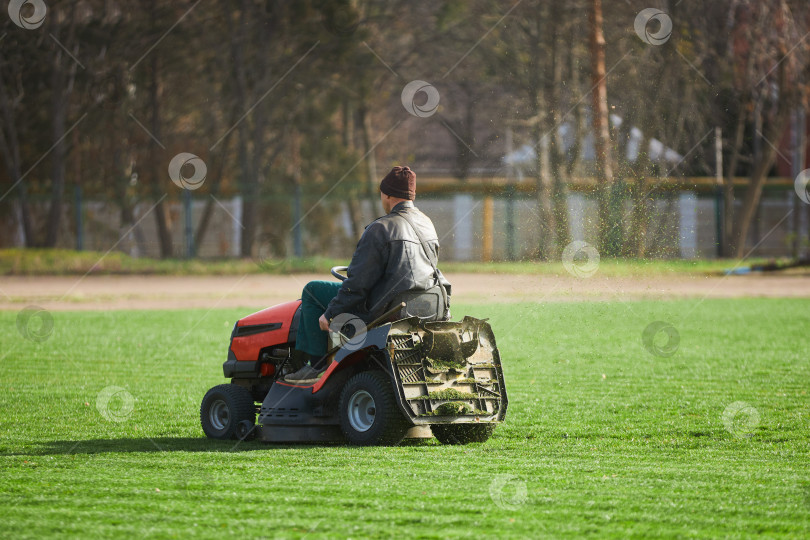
x,y
247,192
535,87
251,212
604,170
257,149
10,147
354,206
746,99
559,192
461,132
58,114
640,217
546,216
214,182
162,216
247,180
355,211
640,199
120,182
727,248
767,153
371,160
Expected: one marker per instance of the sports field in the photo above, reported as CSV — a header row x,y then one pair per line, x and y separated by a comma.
x,y
701,430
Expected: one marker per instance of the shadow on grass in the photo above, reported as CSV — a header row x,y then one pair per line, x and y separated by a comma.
x,y
173,444
154,444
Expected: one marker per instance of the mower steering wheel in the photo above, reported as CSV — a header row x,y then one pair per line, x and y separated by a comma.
x,y
336,271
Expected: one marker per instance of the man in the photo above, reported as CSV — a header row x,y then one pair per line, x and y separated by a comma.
x,y
390,261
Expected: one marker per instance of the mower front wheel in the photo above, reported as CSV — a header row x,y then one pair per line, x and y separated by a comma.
x,y
369,414
224,408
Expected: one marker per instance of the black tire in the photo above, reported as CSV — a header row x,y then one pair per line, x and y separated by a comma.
x,y
385,425
223,408
462,433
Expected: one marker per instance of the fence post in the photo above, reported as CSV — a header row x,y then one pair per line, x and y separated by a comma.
x,y
510,222
797,142
718,190
77,196
189,231
298,243
486,244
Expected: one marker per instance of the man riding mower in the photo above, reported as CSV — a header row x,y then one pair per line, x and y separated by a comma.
x,y
383,361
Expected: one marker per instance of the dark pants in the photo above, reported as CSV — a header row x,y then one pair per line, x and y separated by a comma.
x,y
314,299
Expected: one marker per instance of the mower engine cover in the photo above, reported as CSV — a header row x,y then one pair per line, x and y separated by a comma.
x,y
254,338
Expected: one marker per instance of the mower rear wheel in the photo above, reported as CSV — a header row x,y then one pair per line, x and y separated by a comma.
x,y
462,433
223,408
368,411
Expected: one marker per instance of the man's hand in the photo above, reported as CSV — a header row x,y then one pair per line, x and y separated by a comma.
x,y
324,324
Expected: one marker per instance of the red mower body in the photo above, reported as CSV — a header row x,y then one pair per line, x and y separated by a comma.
x,y
266,328
258,343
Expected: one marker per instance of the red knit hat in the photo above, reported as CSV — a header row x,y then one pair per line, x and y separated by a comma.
x,y
400,183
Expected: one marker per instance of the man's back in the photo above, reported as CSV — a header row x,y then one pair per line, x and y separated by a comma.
x,y
388,261
396,260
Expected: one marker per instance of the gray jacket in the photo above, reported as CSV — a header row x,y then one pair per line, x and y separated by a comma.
x,y
388,260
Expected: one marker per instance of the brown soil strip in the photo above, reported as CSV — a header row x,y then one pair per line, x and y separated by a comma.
x,y
256,291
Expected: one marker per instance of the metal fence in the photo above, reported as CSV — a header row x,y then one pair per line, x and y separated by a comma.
x,y
681,224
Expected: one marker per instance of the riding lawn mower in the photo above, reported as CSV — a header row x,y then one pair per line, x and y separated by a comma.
x,y
395,378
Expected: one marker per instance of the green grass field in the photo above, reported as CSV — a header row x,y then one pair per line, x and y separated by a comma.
x,y
602,437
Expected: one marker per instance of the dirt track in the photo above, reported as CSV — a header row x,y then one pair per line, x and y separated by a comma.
x,y
254,291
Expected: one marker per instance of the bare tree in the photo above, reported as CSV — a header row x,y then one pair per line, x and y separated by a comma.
x,y
601,129
783,88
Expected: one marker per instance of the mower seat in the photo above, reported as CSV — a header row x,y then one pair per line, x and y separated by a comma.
x,y
427,305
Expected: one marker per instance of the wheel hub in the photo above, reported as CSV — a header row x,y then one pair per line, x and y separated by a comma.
x,y
362,411
219,415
